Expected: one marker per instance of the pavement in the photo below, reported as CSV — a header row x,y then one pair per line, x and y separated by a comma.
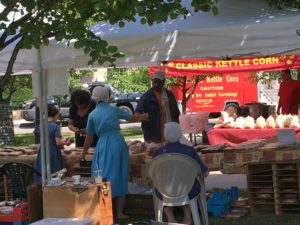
x,y
25,127
215,179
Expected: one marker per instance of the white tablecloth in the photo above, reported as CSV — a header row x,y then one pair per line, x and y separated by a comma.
x,y
64,221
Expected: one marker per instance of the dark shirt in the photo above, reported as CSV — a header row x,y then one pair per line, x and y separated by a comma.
x,y
149,104
80,122
185,150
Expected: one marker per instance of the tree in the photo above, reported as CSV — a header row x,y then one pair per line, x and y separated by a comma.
x,y
187,86
76,76
288,3
129,80
17,90
30,23
267,76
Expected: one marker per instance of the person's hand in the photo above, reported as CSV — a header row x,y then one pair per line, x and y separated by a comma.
x,y
278,112
144,116
206,173
69,141
76,130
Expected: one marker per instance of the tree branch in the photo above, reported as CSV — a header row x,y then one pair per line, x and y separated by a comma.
x,y
8,9
10,65
5,44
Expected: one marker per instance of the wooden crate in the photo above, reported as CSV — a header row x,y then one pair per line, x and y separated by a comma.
x,y
260,188
274,187
286,183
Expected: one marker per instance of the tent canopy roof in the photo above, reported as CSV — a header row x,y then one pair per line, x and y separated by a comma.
x,y
241,28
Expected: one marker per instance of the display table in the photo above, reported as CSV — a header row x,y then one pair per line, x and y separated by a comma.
x,y
29,159
78,202
232,136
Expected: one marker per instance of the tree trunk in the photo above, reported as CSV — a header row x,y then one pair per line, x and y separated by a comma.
x,y
7,135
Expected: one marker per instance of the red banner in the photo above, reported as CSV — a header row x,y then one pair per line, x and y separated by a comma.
x,y
184,67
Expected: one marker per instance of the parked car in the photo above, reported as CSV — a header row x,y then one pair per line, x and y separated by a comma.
x,y
29,109
127,102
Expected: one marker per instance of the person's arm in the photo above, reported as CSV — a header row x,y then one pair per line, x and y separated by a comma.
x,y
203,167
279,106
87,144
61,143
175,111
140,108
139,117
72,127
279,99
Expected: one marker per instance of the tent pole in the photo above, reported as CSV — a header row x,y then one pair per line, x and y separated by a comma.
x,y
45,101
41,111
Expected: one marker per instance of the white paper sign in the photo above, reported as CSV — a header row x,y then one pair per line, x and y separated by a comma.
x,y
286,137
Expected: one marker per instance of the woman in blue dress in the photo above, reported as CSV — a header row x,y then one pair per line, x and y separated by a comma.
x,y
111,154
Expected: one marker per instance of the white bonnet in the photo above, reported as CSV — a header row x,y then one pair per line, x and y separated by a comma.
x,y
172,132
101,94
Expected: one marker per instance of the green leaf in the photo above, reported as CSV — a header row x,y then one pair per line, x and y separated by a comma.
x,y
121,24
112,49
77,45
143,21
215,10
86,50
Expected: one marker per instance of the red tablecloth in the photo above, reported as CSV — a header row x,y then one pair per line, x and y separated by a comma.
x,y
235,136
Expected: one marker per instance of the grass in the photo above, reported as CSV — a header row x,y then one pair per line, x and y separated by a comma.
x,y
28,139
24,139
265,219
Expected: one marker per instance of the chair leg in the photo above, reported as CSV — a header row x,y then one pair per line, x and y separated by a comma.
x,y
203,208
160,210
155,204
195,211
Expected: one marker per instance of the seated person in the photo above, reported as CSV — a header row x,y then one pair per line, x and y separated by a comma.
x,y
173,133
231,109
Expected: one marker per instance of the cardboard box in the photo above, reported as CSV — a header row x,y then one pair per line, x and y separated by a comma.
x,y
35,202
78,202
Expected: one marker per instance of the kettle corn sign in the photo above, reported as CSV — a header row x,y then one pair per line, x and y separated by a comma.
x,y
206,66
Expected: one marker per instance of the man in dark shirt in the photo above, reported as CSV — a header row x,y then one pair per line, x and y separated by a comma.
x,y
161,106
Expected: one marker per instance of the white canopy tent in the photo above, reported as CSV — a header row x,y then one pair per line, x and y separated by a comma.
x,y
241,28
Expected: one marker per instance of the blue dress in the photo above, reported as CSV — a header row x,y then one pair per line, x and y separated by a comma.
x,y
111,154
56,162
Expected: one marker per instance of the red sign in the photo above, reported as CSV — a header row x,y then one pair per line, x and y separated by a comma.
x,y
219,66
211,93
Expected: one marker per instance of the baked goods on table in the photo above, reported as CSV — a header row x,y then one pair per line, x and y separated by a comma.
x,y
280,121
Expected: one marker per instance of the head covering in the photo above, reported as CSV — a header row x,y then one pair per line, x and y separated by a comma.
x,y
230,105
172,132
101,94
159,75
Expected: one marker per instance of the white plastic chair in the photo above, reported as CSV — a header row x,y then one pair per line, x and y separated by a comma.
x,y
173,175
